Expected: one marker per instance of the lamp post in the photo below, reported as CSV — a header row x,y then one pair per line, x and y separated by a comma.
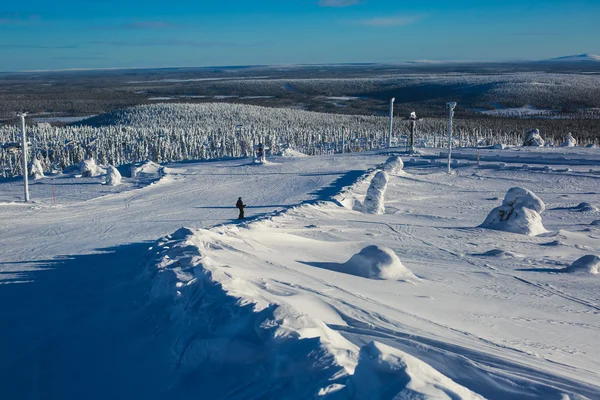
x,y
413,128
451,107
24,156
389,143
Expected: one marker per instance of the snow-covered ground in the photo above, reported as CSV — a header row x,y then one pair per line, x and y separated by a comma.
x,y
106,295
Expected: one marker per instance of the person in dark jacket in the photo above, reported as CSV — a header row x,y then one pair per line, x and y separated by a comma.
x,y
240,205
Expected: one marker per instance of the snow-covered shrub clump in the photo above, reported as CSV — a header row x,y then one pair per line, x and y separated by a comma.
x,y
289,152
393,165
113,176
570,141
89,168
384,372
375,194
589,264
37,171
519,213
533,138
377,262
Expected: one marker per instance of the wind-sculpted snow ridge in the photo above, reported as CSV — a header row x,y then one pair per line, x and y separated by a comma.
x,y
374,200
393,165
391,372
233,342
236,338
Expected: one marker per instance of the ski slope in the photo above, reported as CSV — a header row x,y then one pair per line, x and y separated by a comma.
x,y
151,289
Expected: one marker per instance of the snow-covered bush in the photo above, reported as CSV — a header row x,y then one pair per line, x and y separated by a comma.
x,y
113,176
589,264
533,138
88,168
570,141
374,201
519,213
37,170
393,165
377,262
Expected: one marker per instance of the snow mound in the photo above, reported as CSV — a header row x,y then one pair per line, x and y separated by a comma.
x,y
585,207
570,141
499,146
533,138
289,152
149,168
37,170
519,213
374,201
589,264
384,372
393,165
377,262
88,168
499,253
113,177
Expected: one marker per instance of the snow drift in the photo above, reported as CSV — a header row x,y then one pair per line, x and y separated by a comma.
x,y
393,165
384,372
533,138
519,213
289,152
589,264
585,207
374,201
229,339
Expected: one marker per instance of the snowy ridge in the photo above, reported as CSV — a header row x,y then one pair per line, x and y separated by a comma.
x,y
243,334
232,330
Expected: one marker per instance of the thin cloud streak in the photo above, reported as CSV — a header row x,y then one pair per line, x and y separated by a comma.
x,y
390,21
33,46
338,3
173,42
141,25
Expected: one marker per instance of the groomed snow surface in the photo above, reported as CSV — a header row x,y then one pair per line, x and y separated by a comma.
x,y
314,296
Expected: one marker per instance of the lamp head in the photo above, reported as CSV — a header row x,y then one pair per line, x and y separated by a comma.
x,y
451,105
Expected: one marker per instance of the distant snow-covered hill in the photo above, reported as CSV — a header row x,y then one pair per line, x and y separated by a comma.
x,y
587,57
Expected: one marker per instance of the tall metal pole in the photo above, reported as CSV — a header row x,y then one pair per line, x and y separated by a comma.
x,y
451,107
389,143
24,156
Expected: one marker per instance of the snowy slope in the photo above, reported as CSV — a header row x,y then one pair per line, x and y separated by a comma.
x,y
99,308
587,57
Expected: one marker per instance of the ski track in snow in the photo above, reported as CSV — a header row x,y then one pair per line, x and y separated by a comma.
x,y
504,327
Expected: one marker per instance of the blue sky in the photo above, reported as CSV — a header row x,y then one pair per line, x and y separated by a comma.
x,y
60,34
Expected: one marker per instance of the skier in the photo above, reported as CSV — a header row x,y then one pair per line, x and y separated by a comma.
x,y
240,205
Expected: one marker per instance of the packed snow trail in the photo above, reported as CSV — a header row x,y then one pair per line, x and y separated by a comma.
x,y
201,194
